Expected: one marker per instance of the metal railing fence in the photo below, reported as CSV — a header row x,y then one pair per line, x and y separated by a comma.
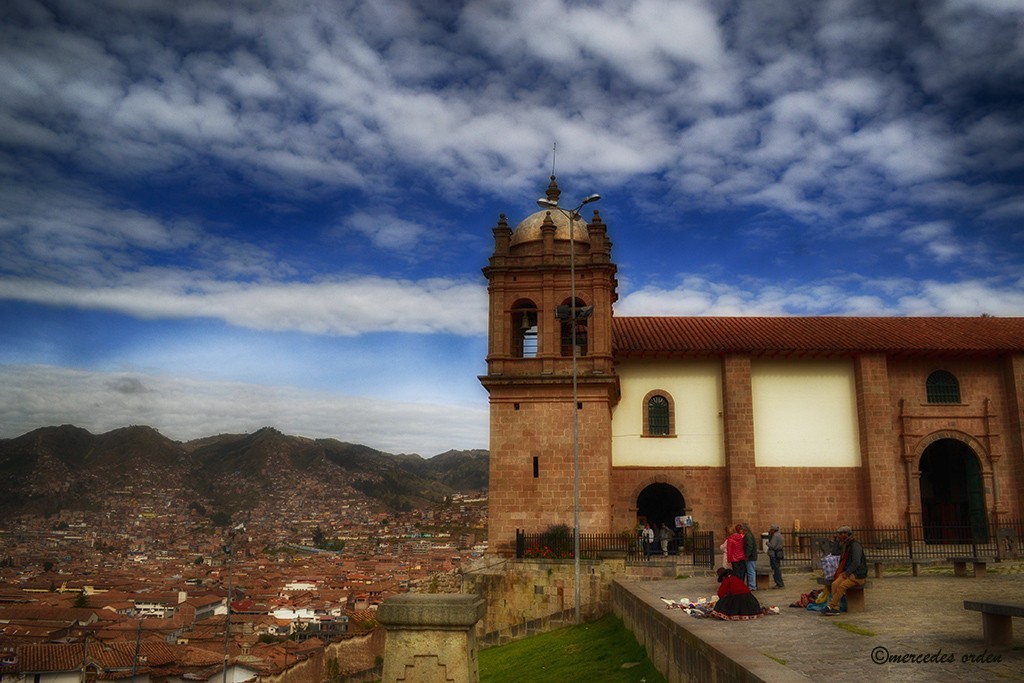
x,y
802,547
557,544
910,542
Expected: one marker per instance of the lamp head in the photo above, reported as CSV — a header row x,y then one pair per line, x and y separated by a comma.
x,y
546,203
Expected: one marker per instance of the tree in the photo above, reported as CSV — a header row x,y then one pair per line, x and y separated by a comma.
x,y
319,539
333,669
220,519
82,600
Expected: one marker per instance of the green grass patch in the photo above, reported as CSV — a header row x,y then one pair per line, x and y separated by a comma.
x,y
854,629
775,659
602,650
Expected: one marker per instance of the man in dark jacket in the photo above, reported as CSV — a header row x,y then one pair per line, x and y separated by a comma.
x,y
776,551
852,571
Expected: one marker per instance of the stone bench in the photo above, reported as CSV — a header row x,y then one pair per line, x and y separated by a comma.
x,y
914,564
996,620
764,578
854,595
960,565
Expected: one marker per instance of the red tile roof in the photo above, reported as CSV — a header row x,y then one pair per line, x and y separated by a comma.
x,y
689,336
49,657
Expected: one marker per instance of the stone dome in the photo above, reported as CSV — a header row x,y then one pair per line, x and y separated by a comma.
x,y
529,230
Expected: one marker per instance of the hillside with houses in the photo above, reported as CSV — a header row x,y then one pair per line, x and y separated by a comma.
x,y
135,556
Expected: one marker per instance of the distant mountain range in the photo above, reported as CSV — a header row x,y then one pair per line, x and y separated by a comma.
x,y
67,467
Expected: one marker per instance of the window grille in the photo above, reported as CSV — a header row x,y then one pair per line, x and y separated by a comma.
x,y
942,387
658,416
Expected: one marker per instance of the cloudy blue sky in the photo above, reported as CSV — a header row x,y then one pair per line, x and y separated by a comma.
x,y
221,215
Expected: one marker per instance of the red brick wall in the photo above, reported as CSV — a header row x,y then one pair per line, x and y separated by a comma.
x,y
879,451
876,494
703,488
821,497
738,416
1013,462
542,427
986,418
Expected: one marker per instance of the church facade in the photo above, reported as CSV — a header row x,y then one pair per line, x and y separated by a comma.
x,y
807,422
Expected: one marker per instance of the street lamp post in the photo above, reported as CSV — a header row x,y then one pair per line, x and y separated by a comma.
x,y
572,215
229,550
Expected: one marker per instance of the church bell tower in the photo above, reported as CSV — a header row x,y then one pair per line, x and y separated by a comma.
x,y
533,373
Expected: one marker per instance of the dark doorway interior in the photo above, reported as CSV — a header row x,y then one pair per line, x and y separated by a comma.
x,y
660,504
952,498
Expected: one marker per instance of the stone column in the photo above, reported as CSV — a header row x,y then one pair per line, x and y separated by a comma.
x,y
430,637
738,421
879,460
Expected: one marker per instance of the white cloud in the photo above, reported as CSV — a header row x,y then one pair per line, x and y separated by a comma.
x,y
841,296
38,396
972,297
935,238
314,93
348,307
809,128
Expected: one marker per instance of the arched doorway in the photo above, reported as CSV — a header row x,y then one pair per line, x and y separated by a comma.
x,y
952,496
660,504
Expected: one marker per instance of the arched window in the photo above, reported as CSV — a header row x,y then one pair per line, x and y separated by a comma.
x,y
942,387
659,414
577,325
524,330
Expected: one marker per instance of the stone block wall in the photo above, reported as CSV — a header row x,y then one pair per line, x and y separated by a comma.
x,y
532,462
528,597
819,497
681,657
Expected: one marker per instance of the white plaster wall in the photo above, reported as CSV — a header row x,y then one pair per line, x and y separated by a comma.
x,y
805,414
59,677
696,390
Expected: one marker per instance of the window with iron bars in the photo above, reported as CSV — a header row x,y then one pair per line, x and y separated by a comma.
x,y
942,387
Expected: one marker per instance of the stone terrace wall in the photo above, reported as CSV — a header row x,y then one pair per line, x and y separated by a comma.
x,y
681,656
527,597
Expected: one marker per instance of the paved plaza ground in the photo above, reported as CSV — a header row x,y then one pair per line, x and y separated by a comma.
x,y
922,617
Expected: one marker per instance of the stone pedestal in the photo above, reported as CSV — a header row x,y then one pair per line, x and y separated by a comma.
x,y
430,638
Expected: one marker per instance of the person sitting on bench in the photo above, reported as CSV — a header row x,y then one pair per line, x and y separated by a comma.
x,y
852,571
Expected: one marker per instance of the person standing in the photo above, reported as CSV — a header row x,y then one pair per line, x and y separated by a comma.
x,y
852,571
664,536
750,553
734,553
647,538
775,554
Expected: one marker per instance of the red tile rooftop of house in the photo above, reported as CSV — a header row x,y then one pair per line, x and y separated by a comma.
x,y
684,336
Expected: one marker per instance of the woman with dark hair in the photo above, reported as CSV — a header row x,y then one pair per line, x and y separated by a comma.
x,y
735,601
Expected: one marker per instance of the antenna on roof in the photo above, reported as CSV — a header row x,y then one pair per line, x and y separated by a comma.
x,y
554,145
